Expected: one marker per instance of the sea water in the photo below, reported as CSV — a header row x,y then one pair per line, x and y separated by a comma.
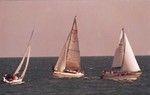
x,y
39,81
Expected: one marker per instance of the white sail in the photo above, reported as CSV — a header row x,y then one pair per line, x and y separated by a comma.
x,y
61,62
27,62
21,63
70,55
119,53
129,63
26,54
124,57
124,62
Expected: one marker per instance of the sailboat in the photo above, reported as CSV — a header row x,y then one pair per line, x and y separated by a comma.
x,y
14,78
124,66
68,63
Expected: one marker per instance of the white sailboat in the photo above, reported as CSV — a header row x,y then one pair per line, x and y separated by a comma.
x,y
14,78
124,66
68,64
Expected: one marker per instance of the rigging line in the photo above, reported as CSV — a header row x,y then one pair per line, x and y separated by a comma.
x,y
31,36
30,40
124,47
74,23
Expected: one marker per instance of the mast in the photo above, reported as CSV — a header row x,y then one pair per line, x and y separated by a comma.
x,y
124,41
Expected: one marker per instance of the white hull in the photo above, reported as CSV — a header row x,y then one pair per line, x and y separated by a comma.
x,y
117,77
17,81
67,75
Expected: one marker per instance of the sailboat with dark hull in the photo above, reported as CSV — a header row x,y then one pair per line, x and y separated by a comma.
x,y
15,78
124,66
68,64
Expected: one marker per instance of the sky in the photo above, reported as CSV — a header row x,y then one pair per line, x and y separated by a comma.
x,y
99,24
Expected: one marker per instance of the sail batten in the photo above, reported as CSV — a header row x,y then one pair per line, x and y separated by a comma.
x,y
74,50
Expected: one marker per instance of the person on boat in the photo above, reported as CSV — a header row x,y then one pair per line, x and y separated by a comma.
x,y
111,72
10,77
5,74
15,77
4,78
7,77
71,71
68,70
105,72
108,72
74,72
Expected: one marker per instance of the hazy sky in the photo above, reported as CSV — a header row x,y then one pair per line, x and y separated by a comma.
x,y
99,25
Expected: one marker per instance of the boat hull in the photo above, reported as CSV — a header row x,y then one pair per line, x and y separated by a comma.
x,y
122,76
17,81
67,75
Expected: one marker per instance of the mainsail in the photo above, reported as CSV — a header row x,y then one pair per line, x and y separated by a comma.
x,y
124,56
70,55
21,63
27,62
26,54
119,53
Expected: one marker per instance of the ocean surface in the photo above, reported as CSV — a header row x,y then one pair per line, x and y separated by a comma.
x,y
39,80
